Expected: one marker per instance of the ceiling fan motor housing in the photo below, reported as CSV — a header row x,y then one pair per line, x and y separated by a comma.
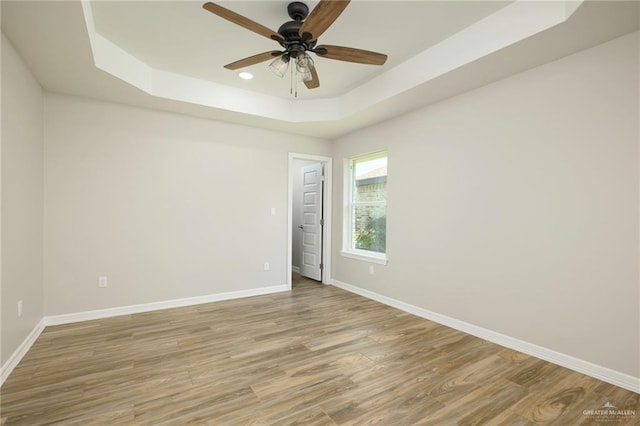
x,y
290,31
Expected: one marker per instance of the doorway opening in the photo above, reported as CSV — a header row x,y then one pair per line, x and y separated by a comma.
x,y
309,217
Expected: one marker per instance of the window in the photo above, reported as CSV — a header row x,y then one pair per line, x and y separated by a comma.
x,y
365,226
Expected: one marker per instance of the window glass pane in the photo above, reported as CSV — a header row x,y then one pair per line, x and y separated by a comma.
x,y
370,180
370,228
367,221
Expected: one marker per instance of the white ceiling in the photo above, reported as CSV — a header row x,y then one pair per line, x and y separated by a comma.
x,y
182,37
429,56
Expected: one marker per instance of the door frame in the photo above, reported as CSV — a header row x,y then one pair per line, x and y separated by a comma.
x,y
326,210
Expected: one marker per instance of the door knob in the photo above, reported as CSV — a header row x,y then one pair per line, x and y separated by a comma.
x,y
301,226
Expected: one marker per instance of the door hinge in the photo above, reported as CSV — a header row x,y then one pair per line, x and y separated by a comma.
x,y
321,266
321,222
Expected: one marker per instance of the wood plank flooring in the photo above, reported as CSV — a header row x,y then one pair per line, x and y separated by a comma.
x,y
317,355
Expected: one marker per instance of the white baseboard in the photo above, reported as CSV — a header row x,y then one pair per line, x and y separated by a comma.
x,y
18,354
295,269
16,357
155,306
605,374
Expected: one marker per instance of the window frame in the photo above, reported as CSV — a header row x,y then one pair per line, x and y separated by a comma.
x,y
348,250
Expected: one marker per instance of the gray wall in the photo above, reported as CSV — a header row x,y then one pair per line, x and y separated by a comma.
x,y
526,218
165,206
22,200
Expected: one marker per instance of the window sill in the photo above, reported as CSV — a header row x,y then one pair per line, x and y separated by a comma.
x,y
379,259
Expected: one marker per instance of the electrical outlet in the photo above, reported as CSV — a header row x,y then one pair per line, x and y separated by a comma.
x,y
371,270
102,282
19,308
266,266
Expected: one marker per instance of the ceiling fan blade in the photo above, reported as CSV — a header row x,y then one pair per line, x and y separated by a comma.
x,y
255,59
242,21
321,17
315,81
350,54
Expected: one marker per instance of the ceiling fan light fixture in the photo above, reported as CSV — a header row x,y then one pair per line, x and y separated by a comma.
x,y
305,76
280,65
304,64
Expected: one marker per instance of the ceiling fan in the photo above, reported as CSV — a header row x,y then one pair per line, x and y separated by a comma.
x,y
297,38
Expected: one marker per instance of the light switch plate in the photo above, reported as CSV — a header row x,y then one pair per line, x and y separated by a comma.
x,y
102,282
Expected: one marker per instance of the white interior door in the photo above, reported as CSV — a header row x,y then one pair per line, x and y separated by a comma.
x,y
312,221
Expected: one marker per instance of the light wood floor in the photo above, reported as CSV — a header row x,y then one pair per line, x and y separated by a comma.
x,y
315,356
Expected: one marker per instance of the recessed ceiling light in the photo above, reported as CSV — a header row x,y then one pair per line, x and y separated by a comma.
x,y
245,75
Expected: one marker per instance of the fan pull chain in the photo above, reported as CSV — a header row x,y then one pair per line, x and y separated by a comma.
x,y
291,85
295,79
